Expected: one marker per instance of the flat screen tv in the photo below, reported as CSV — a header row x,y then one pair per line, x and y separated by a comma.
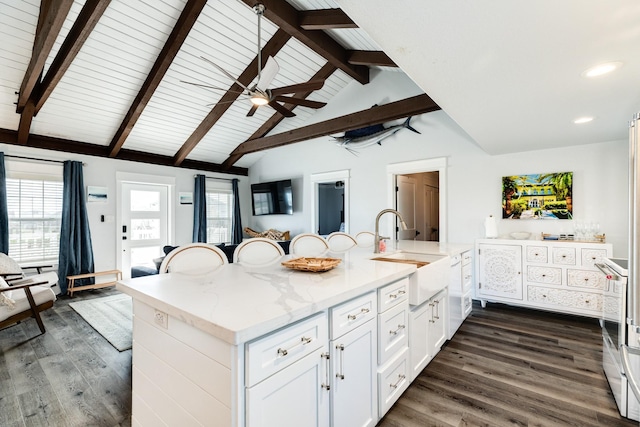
x,y
272,198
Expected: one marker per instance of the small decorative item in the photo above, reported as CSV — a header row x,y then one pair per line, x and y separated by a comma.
x,y
96,194
539,196
186,198
490,227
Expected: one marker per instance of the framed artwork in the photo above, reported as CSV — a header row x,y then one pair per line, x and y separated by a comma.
x,y
96,194
186,198
538,196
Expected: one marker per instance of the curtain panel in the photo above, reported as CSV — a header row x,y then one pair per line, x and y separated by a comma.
x,y
4,215
236,224
200,210
76,251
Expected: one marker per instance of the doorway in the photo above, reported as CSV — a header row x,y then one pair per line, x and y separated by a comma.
x,y
417,190
330,202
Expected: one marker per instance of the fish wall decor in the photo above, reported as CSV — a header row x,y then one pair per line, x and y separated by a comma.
x,y
370,135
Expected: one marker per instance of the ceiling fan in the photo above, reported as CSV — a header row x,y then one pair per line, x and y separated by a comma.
x,y
259,94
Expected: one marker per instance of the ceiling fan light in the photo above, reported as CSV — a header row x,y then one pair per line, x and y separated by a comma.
x,y
259,100
602,69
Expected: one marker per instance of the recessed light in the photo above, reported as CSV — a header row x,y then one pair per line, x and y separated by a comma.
x,y
582,120
602,69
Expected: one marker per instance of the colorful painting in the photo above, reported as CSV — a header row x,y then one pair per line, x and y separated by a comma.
x,y
540,196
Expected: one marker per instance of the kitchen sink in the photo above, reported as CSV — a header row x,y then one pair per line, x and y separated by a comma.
x,y
431,276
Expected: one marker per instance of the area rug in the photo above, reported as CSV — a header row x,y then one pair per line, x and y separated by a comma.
x,y
110,316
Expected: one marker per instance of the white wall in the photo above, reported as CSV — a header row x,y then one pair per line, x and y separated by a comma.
x,y
474,178
101,172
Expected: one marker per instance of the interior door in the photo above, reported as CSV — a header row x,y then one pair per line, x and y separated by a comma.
x,y
431,213
144,224
406,205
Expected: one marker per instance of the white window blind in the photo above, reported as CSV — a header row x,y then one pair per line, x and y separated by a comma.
x,y
34,205
219,213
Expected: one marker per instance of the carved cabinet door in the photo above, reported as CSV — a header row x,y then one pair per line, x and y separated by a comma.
x,y
500,271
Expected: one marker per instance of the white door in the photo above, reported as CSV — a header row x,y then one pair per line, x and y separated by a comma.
x,y
144,224
431,214
406,205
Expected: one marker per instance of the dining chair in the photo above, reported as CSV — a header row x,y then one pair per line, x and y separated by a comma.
x,y
365,239
308,245
258,252
193,258
340,242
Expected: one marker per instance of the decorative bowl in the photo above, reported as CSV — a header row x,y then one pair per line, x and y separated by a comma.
x,y
316,265
520,235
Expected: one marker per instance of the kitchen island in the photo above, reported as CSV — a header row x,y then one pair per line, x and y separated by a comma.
x,y
245,346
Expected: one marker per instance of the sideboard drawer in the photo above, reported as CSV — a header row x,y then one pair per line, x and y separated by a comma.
x,y
568,299
592,256
587,279
537,254
564,256
546,275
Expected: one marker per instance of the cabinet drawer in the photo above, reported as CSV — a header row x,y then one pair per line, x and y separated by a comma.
x,y
563,298
564,256
351,314
392,331
395,293
592,256
467,275
537,254
276,351
587,279
467,304
467,257
393,380
547,275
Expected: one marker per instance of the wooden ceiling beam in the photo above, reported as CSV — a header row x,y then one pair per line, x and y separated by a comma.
x,y
322,74
379,114
8,136
325,19
82,27
169,51
272,47
52,16
370,58
287,18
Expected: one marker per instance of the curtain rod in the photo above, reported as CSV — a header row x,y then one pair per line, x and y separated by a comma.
x,y
37,159
215,177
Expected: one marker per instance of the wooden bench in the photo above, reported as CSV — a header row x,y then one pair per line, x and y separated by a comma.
x,y
71,281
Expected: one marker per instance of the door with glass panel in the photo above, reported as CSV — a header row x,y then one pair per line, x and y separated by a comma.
x,y
145,225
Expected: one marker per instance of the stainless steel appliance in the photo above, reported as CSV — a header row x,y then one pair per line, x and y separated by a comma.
x,y
621,314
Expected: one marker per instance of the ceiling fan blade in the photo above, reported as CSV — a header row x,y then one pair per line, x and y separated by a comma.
x,y
252,110
280,109
226,73
299,101
268,74
300,87
210,87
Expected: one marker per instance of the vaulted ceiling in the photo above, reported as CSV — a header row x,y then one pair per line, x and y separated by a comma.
x,y
133,79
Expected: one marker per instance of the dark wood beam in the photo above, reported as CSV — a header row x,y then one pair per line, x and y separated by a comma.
x,y
24,127
272,47
379,114
8,136
370,58
52,15
287,18
169,51
82,27
325,19
275,119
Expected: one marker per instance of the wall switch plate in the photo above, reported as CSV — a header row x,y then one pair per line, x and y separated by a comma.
x,y
161,318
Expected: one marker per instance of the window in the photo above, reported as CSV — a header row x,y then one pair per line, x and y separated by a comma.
x,y
34,204
219,212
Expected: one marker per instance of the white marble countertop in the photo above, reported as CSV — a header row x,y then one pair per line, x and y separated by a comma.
x,y
429,247
238,304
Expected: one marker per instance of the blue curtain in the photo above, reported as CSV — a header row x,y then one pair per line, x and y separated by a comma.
x,y
76,252
200,210
4,216
236,224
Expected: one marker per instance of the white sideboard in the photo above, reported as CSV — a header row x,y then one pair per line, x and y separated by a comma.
x,y
552,275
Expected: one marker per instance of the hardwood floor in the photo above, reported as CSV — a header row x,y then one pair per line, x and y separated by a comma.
x,y
508,366
505,367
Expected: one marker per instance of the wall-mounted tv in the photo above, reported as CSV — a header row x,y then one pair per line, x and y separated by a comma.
x,y
272,198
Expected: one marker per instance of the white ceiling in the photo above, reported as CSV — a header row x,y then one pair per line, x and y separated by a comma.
x,y
509,71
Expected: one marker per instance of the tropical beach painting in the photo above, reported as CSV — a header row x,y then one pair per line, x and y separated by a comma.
x,y
538,196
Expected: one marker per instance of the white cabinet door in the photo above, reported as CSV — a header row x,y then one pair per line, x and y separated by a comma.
x,y
500,271
437,323
296,396
354,390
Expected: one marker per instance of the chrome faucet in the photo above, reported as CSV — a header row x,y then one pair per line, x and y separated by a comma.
x,y
376,242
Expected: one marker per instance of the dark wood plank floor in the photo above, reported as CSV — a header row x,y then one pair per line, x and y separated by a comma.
x,y
508,366
505,367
